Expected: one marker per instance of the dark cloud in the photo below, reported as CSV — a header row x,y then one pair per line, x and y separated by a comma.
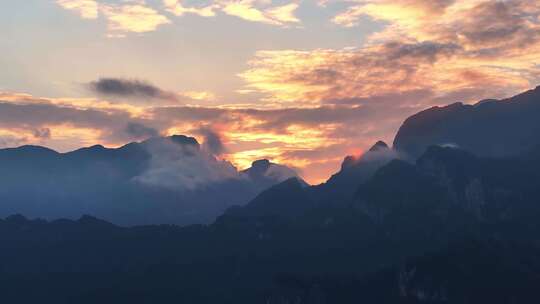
x,y
212,141
426,50
493,21
117,87
37,115
181,114
140,131
386,98
112,124
43,133
317,76
495,28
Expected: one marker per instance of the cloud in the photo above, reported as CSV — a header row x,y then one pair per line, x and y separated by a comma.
x,y
319,75
443,47
87,9
118,87
484,27
135,91
250,10
128,17
279,172
55,123
284,14
137,18
42,133
213,143
178,8
183,167
399,11
140,131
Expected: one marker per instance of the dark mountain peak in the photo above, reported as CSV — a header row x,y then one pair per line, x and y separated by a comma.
x,y
287,199
89,150
351,161
379,146
485,102
182,140
30,150
96,147
491,128
357,170
348,162
261,165
431,116
263,171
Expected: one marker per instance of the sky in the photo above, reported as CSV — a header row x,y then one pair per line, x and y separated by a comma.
x,y
303,83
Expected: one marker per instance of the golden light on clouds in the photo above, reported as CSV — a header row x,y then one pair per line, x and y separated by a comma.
x,y
249,10
133,18
179,9
426,45
87,9
139,17
284,13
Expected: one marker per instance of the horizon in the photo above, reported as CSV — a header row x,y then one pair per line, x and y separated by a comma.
x,y
302,83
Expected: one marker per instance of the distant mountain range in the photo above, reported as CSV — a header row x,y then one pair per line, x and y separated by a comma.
x,y
159,181
451,221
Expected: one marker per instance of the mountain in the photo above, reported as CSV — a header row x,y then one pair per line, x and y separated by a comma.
x,y
293,197
266,172
492,128
157,181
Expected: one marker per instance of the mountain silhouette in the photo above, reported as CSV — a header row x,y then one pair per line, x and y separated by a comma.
x,y
157,181
293,197
492,128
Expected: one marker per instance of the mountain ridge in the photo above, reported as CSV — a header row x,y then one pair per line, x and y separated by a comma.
x,y
137,183
497,128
